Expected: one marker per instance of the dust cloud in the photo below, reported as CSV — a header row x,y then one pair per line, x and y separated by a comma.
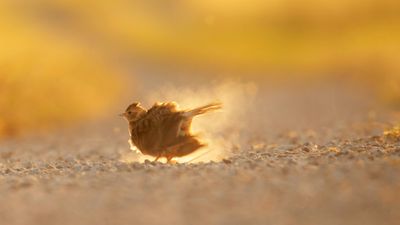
x,y
222,129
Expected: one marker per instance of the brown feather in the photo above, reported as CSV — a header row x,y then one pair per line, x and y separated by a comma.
x,y
163,130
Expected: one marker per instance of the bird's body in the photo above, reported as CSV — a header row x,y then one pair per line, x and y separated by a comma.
x,y
163,130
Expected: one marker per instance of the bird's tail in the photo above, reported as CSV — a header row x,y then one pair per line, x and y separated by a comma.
x,y
203,109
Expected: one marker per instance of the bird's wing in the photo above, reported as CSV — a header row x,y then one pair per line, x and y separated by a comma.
x,y
160,110
155,116
167,120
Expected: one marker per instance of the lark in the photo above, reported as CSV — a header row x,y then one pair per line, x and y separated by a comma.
x,y
164,131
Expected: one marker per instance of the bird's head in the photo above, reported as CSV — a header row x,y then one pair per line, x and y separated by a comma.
x,y
133,112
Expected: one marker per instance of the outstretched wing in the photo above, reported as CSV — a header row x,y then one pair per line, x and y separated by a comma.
x,y
160,111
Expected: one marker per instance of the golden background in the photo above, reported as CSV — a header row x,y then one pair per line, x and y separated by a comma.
x,y
64,61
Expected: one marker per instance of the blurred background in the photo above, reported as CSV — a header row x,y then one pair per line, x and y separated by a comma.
x,y
66,61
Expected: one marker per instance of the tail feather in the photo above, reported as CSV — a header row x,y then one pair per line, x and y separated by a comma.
x,y
203,109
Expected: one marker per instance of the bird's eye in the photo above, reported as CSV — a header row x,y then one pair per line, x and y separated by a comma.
x,y
129,112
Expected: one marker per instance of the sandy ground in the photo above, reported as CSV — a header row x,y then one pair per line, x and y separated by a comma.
x,y
326,163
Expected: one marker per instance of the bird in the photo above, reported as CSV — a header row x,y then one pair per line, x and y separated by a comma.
x,y
164,131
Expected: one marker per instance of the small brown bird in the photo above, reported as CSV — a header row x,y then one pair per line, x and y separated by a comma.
x,y
164,130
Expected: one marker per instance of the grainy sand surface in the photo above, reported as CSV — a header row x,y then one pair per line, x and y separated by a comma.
x,y
336,168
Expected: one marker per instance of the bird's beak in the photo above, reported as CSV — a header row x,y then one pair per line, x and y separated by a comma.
x,y
122,115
